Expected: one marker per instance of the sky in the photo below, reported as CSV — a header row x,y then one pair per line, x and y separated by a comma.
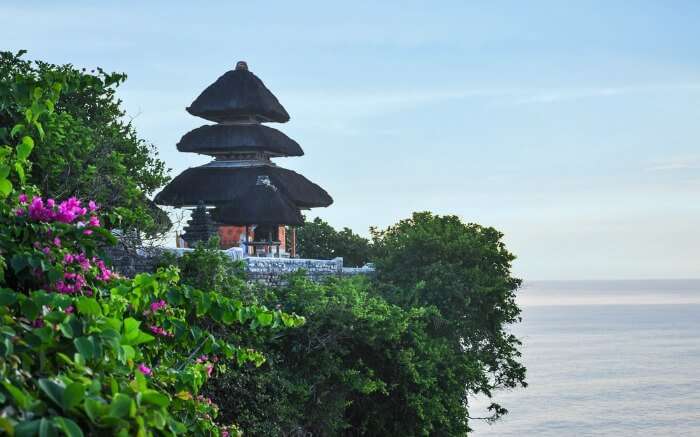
x,y
572,128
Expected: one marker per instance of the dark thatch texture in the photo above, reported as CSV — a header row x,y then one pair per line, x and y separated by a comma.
x,y
262,205
221,138
220,185
238,94
200,227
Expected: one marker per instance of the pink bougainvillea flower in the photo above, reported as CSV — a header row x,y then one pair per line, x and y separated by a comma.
x,y
38,323
94,221
87,232
201,359
159,304
92,206
157,330
225,433
22,198
20,212
210,370
70,309
145,370
57,242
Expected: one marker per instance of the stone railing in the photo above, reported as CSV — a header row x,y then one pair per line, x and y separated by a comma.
x,y
260,269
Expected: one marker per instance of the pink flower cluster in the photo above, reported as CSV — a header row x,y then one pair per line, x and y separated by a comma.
x,y
204,359
67,211
157,305
74,282
145,369
157,330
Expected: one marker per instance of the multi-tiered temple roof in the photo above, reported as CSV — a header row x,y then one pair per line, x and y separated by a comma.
x,y
242,149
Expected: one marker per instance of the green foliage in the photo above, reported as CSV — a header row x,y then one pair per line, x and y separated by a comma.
x,y
318,240
463,271
208,268
87,148
398,355
83,352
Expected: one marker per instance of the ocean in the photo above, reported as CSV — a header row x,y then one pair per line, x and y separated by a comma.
x,y
604,358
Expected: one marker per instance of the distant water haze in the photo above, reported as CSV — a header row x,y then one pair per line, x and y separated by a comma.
x,y
621,292
604,358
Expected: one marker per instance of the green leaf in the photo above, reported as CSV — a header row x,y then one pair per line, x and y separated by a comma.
x,y
228,317
52,390
70,428
89,306
67,328
131,327
265,318
4,171
120,406
29,309
73,395
156,398
24,148
5,187
16,129
19,169
7,297
27,429
126,353
46,428
85,347
21,399
142,338
95,409
18,262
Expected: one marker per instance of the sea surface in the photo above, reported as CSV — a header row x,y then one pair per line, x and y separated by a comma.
x,y
605,358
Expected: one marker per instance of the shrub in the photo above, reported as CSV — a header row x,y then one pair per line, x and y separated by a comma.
x,y
88,149
83,351
318,240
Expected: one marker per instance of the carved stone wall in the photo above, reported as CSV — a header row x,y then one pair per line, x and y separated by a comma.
x,y
267,270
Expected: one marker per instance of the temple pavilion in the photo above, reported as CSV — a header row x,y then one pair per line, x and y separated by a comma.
x,y
241,195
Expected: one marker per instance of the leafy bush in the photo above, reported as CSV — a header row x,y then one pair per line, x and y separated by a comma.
x,y
463,271
87,150
393,356
83,351
361,365
318,240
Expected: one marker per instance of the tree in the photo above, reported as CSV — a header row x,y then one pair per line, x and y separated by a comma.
x,y
463,271
318,240
88,149
367,362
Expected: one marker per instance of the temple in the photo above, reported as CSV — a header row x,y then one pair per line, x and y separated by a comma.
x,y
241,195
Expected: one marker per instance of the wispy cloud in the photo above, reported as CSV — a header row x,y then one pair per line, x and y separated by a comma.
x,y
383,101
678,163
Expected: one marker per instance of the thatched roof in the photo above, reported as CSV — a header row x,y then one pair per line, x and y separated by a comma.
x,y
221,138
262,205
221,184
238,94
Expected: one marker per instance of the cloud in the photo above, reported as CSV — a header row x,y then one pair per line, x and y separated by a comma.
x,y
676,164
375,102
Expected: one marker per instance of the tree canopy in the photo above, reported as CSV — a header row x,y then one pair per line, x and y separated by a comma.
x,y
89,148
317,239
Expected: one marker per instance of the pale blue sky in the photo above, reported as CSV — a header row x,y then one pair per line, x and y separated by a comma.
x,y
575,130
